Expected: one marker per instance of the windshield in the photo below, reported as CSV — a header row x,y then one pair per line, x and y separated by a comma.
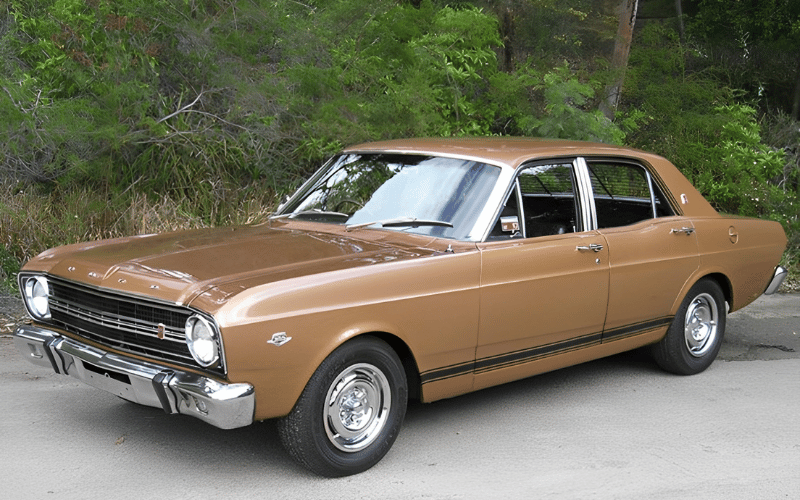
x,y
440,197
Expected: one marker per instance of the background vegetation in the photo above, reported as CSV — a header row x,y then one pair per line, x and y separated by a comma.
x,y
136,116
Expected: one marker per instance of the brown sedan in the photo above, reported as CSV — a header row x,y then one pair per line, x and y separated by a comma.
x,y
402,269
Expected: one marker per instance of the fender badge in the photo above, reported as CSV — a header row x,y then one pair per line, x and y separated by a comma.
x,y
278,339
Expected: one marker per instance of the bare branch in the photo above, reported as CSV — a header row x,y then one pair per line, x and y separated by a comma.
x,y
183,109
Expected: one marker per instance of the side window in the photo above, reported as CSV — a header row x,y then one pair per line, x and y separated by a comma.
x,y
543,202
625,194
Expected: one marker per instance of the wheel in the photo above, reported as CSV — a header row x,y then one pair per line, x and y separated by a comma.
x,y
350,412
695,335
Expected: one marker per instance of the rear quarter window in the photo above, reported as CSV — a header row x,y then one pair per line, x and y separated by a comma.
x,y
625,193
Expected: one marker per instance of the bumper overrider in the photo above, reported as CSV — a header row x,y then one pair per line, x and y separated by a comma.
x,y
222,405
777,278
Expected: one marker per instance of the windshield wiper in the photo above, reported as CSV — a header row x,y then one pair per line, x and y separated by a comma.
x,y
314,211
400,222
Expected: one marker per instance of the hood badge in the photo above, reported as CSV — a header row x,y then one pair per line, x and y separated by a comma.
x,y
278,339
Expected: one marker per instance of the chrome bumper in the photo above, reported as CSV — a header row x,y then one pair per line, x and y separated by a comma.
x,y
226,406
777,279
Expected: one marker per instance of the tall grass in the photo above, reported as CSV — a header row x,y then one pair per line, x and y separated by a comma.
x,y
32,221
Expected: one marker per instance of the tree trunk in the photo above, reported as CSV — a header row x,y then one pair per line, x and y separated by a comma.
x,y
507,33
679,13
619,61
796,103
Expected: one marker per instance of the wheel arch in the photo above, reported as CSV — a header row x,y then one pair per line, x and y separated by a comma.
x,y
724,283
406,356
719,278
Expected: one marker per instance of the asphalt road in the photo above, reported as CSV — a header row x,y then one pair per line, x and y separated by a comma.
x,y
617,428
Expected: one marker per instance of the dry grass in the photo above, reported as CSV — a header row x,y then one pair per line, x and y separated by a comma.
x,y
31,221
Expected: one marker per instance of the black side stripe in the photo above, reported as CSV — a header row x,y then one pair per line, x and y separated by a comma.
x,y
522,356
635,329
447,372
534,353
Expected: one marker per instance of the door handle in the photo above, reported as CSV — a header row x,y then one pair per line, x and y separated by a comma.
x,y
594,247
685,230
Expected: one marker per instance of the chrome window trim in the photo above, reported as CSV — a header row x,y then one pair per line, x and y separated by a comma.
x,y
521,207
652,194
494,204
586,195
304,187
482,226
513,184
652,178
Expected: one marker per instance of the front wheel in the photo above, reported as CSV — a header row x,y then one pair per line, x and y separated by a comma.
x,y
350,412
695,335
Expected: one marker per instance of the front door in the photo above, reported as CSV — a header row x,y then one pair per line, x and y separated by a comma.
x,y
544,285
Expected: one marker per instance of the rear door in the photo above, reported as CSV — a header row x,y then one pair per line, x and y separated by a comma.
x,y
652,251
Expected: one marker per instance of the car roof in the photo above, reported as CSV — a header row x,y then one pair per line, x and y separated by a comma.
x,y
511,151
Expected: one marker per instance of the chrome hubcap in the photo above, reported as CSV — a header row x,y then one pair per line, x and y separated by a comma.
x,y
700,327
357,407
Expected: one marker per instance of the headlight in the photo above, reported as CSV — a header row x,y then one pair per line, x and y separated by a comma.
x,y
37,296
201,338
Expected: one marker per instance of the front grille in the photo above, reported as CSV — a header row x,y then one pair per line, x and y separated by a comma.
x,y
122,322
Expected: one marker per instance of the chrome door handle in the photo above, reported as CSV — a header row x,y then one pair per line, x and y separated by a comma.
x,y
594,247
685,230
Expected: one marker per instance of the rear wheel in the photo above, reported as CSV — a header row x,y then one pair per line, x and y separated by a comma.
x,y
695,335
350,412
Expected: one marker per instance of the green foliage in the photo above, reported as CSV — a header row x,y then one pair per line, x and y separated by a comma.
x,y
566,115
73,47
193,108
734,171
712,138
460,42
711,135
752,46
551,31
399,71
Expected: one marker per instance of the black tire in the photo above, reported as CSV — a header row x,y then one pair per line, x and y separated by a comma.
x,y
695,335
366,384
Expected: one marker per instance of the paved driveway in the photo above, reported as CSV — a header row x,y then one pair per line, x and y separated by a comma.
x,y
617,428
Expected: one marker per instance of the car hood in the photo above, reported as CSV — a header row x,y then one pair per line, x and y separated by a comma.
x,y
217,263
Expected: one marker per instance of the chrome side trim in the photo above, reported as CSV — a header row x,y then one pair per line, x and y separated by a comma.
x,y
220,404
777,279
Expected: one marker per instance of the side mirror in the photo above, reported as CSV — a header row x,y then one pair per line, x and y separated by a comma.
x,y
509,224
